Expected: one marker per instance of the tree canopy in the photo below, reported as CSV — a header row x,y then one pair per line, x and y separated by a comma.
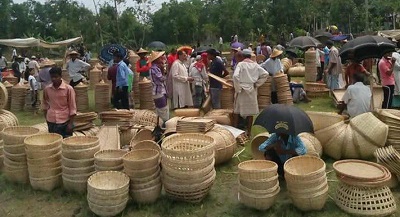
x,y
190,21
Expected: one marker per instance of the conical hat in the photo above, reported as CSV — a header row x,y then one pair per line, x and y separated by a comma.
x,y
155,55
47,63
276,53
141,50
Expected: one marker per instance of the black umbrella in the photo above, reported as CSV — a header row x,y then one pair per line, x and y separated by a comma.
x,y
280,118
157,45
201,49
365,47
304,42
322,34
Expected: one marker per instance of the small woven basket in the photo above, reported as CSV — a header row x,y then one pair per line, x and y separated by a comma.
x,y
80,153
188,175
109,200
142,173
148,184
108,183
144,134
262,184
255,143
44,172
77,171
141,159
308,202
257,170
73,163
183,165
119,168
304,168
107,210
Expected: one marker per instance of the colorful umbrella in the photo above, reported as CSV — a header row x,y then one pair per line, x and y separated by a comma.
x,y
107,52
280,118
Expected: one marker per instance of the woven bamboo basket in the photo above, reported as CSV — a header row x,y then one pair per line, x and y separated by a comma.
x,y
145,118
185,165
94,77
3,96
333,147
80,153
349,149
118,168
257,169
144,134
247,190
259,202
10,79
42,154
19,93
108,183
7,119
77,171
325,134
146,144
102,96
297,71
15,149
39,167
18,176
146,196
309,202
78,177
225,144
286,63
16,135
17,165
8,86
141,159
155,177
76,163
146,98
256,142
37,174
371,128
46,160
193,175
187,112
296,191
166,178
15,157
227,98
322,120
188,146
107,210
145,185
303,168
221,116
80,142
311,141
298,186
43,142
46,184
142,173
78,186
82,99
108,200
109,158
260,184
365,201
364,146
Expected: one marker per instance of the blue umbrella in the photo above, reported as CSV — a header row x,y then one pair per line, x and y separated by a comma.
x,y
157,45
106,53
339,37
237,45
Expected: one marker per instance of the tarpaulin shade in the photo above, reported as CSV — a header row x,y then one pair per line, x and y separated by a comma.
x,y
34,42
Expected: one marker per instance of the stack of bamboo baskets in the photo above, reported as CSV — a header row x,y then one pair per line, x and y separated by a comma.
x,y
188,166
108,193
19,93
306,182
94,77
136,89
78,161
283,89
44,160
15,161
264,94
391,117
109,160
143,168
82,98
316,89
8,86
258,184
3,96
225,144
11,79
227,97
146,94
310,65
102,96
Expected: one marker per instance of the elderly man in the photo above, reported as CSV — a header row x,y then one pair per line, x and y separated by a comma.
x,y
76,68
182,96
247,77
334,68
273,65
357,97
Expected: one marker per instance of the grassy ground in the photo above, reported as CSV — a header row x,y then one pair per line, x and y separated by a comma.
x,y
21,201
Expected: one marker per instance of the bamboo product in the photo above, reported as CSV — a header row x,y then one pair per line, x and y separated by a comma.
x,y
117,117
389,157
84,121
227,97
126,135
44,160
283,90
136,89
187,112
264,94
312,144
102,96
19,93
194,125
109,160
82,99
7,119
109,137
225,144
108,192
286,63
10,79
65,76
3,96
255,143
371,128
220,116
8,86
146,94
94,77
146,144
310,66
322,120
15,161
144,134
145,118
297,70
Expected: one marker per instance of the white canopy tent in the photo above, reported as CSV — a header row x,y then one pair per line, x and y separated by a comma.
x,y
394,34
33,42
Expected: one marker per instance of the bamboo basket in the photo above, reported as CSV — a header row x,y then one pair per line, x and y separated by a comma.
x,y
309,202
78,170
146,94
118,168
108,183
145,118
187,112
259,202
322,120
73,163
297,71
108,200
16,135
107,210
144,134
256,142
227,97
303,168
109,158
46,184
142,173
10,79
8,86
257,169
80,142
3,96
313,143
365,201
80,153
43,142
94,77
147,195
371,128
19,93
102,96
82,98
225,144
193,175
260,184
146,144
140,159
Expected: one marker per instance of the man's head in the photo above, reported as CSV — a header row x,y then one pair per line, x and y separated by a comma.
x,y
142,53
74,55
247,53
329,43
212,53
276,54
239,56
388,55
358,77
56,76
182,56
117,57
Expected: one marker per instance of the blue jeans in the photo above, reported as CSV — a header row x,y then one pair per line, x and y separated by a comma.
x,y
198,96
215,98
333,81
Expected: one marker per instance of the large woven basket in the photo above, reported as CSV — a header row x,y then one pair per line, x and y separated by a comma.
x,y
349,149
47,183
15,157
147,195
323,120
185,165
257,170
146,144
366,147
256,142
19,176
108,183
225,144
188,146
371,128
259,202
109,158
77,163
77,171
260,184
43,142
80,142
188,174
191,112
312,144
304,168
141,159
80,153
142,173
331,138
107,210
144,134
365,201
16,135
308,202
42,154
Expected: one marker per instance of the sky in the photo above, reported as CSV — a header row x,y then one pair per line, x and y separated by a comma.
x,y
89,3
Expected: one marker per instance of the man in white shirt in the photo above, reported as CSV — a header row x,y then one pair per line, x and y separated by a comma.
x,y
14,54
396,72
273,65
22,65
3,62
334,68
33,66
357,97
75,68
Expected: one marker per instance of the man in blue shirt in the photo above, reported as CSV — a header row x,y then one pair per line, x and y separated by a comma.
x,y
121,96
281,147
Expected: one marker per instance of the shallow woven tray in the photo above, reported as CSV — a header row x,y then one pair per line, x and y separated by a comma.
x,y
358,169
80,142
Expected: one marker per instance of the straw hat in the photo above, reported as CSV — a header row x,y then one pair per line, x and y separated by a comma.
x,y
141,50
73,53
33,57
276,53
155,55
47,63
